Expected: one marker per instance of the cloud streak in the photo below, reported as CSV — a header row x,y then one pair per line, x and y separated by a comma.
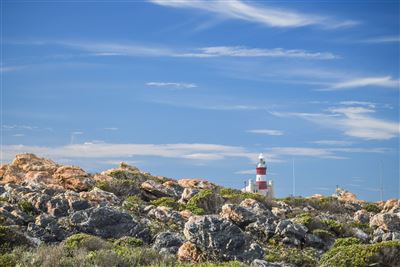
x,y
107,49
174,85
354,121
266,132
265,15
385,81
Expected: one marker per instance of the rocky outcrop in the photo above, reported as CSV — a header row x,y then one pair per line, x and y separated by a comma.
x,y
196,183
108,223
189,252
386,221
168,242
346,196
238,215
361,216
30,168
219,239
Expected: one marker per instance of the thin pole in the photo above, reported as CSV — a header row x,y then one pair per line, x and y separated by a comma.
x,y
294,179
381,181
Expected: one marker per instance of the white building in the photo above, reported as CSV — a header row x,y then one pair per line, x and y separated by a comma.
x,y
261,185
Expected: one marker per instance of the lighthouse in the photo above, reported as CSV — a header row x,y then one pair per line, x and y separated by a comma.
x,y
261,186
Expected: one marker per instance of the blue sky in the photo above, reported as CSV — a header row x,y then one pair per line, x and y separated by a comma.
x,y
199,88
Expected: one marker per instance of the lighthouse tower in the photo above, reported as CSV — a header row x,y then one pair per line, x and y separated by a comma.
x,y
261,185
261,173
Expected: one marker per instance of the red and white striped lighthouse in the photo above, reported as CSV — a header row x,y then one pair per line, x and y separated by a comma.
x,y
261,185
261,172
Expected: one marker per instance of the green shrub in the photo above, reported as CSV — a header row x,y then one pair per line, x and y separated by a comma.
x,y
347,241
298,257
88,242
236,195
3,199
7,260
132,203
26,207
193,203
334,226
11,237
371,207
303,218
358,255
167,202
324,234
128,241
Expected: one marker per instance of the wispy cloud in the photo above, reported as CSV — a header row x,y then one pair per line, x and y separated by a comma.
x,y
266,132
110,129
354,121
252,171
174,85
265,15
385,81
333,142
108,49
241,51
4,69
383,39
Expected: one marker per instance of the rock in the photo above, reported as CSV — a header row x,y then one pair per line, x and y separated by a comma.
x,y
28,168
361,216
98,177
289,229
152,190
196,183
256,207
58,207
174,188
263,263
314,241
392,206
168,242
166,215
96,196
346,196
186,214
238,215
281,210
360,234
263,228
108,223
189,252
46,229
386,221
219,239
73,178
187,194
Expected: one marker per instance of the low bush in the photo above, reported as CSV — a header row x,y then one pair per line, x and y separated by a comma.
x,y
26,207
88,242
298,257
128,241
168,202
334,226
133,203
359,255
371,207
347,241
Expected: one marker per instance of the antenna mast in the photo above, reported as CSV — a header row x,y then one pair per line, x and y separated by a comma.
x,y
294,179
381,181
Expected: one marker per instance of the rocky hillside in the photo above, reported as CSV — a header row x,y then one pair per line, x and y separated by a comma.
x,y
54,215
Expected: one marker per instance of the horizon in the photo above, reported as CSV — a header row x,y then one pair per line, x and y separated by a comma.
x,y
200,88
